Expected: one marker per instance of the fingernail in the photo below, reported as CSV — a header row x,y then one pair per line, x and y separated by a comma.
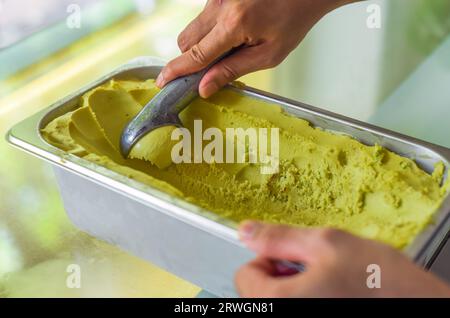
x,y
248,229
160,80
208,89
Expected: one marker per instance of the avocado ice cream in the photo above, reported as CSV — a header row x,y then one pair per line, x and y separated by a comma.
x,y
324,179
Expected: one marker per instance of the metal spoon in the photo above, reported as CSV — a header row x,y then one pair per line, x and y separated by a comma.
x,y
164,108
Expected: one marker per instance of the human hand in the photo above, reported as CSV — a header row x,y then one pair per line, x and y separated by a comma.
x,y
267,30
336,265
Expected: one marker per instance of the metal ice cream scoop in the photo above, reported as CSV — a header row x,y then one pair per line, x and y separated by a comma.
x,y
164,108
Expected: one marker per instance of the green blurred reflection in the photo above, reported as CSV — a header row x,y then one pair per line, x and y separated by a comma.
x,y
37,241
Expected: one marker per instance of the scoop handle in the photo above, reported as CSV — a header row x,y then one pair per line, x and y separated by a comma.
x,y
164,108
187,86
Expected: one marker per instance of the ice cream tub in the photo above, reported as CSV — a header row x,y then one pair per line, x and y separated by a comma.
x,y
183,238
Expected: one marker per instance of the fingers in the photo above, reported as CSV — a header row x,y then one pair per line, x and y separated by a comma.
x,y
198,28
316,248
199,56
256,279
281,242
244,61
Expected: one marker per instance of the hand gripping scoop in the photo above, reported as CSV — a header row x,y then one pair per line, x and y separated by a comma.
x,y
164,108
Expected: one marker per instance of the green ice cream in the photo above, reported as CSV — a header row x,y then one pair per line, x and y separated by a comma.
x,y
324,179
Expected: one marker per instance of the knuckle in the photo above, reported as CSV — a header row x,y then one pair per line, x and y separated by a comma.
x,y
229,72
168,70
182,42
231,24
236,17
239,10
197,55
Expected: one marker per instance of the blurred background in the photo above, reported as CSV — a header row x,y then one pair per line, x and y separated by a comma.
x,y
396,76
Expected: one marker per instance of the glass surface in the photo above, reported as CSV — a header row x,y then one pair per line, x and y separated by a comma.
x,y
396,76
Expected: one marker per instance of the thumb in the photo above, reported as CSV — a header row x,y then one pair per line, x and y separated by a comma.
x,y
242,62
279,241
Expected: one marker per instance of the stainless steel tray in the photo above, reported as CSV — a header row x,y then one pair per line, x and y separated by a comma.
x,y
182,238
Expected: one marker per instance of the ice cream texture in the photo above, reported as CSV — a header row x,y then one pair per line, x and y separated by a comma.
x,y
324,179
